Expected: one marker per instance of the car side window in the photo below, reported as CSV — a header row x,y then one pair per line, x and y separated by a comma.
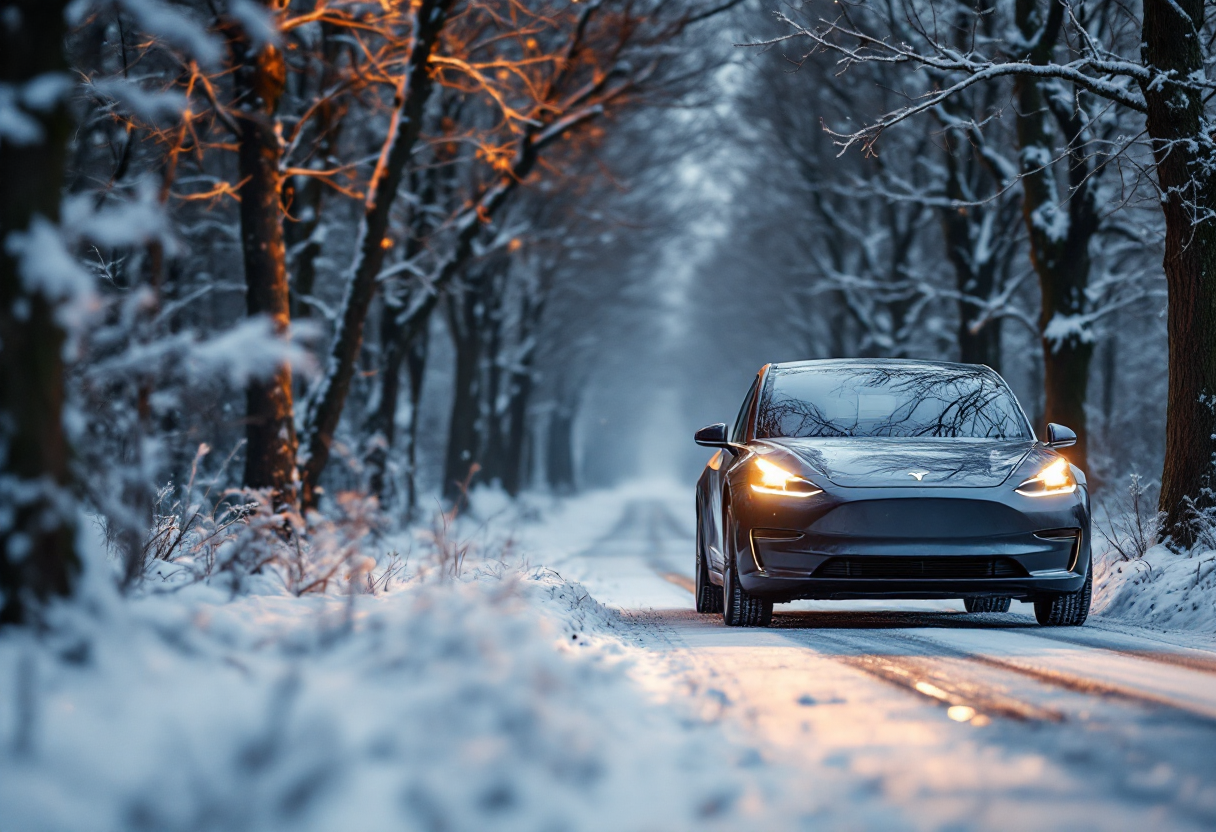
x,y
739,432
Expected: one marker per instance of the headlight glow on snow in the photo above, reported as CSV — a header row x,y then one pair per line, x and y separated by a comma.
x,y
1054,479
776,480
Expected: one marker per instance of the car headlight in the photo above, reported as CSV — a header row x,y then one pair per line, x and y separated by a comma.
x,y
1055,478
776,480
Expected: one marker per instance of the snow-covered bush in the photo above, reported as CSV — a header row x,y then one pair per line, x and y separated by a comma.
x,y
244,538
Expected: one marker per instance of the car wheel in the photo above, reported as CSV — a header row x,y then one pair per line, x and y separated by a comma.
x,y
709,596
990,604
1069,610
739,609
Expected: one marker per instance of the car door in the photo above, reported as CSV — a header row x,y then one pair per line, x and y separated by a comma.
x,y
717,469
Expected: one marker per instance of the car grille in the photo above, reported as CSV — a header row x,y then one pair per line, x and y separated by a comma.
x,y
922,519
932,567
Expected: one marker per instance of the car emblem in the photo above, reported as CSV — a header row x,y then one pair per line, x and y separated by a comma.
x,y
920,475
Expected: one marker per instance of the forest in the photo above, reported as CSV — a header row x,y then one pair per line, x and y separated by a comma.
x,y
337,259
351,354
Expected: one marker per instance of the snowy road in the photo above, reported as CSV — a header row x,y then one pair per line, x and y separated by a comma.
x,y
916,715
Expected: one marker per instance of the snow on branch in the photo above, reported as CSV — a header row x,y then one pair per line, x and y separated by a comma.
x,y
1094,70
170,25
253,349
47,253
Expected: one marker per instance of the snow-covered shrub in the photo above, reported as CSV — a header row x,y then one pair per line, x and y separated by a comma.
x,y
243,538
133,380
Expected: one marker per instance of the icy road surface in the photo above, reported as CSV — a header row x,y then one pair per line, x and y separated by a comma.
x,y
918,710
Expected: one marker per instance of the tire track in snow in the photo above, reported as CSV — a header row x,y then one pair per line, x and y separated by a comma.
x,y
1189,658
965,699
936,677
890,661
1069,681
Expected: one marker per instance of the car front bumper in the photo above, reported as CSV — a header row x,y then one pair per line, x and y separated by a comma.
x,y
912,543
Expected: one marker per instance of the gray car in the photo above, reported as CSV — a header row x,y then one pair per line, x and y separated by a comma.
x,y
845,479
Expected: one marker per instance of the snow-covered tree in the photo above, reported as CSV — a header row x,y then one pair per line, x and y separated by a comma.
x,y
41,293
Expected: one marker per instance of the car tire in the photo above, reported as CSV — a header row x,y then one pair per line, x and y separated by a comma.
x,y
1070,609
990,604
739,609
709,596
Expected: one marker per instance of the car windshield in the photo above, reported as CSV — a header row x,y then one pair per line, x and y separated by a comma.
x,y
954,402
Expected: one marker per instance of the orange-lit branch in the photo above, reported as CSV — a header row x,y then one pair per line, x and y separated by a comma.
x,y
325,407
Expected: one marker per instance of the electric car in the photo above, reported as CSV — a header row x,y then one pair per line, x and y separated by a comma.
x,y
846,479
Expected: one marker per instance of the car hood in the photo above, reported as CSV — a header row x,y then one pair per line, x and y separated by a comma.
x,y
885,463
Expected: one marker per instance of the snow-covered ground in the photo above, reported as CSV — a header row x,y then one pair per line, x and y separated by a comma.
x,y
1161,589
496,700
562,682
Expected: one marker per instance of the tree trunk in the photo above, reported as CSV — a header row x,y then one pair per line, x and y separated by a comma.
x,y
399,344
514,475
304,197
1110,374
258,80
325,406
559,453
1184,156
37,523
493,456
460,462
415,363
521,384
982,347
903,225
466,321
975,277
382,426
1059,244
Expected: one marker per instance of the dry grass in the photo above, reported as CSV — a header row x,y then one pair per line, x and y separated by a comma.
x,y
1132,523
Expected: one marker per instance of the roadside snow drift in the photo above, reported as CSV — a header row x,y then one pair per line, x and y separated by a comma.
x,y
1162,589
497,701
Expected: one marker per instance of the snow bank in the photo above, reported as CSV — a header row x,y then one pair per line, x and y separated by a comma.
x,y
496,700
1160,589
1138,581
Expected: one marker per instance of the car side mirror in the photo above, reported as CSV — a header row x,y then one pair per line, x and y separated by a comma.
x,y
712,436
1059,436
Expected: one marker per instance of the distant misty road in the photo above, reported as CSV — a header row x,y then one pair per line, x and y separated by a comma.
x,y
919,712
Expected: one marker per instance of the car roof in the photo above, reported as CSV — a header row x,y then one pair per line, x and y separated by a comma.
x,y
874,363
